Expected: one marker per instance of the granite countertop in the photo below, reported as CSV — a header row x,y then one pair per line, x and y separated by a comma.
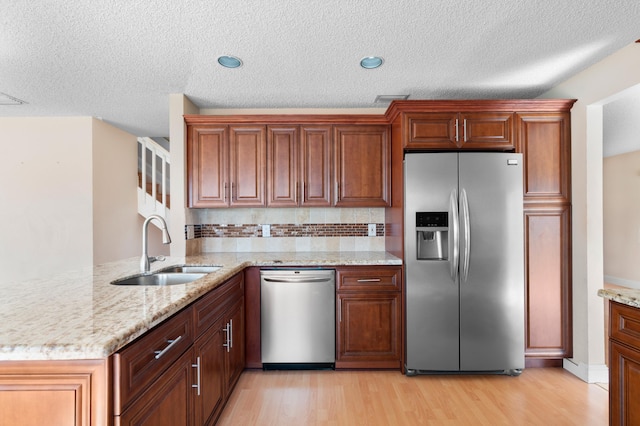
x,y
626,296
80,315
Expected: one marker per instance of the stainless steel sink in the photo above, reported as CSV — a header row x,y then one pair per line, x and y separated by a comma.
x,y
160,278
176,274
191,269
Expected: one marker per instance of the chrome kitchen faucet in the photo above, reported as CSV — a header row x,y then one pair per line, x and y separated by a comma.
x,y
146,260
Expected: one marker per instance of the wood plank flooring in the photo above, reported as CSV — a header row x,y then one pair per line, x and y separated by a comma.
x,y
539,396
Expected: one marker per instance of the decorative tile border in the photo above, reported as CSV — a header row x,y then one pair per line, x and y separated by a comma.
x,y
283,230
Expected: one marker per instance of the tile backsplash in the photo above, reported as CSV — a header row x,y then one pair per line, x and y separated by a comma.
x,y
297,229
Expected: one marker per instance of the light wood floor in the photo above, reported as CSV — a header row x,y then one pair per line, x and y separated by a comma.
x,y
540,396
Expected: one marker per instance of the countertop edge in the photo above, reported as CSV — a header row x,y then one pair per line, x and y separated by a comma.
x,y
106,345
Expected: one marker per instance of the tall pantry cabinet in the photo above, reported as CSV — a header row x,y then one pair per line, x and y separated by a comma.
x,y
540,130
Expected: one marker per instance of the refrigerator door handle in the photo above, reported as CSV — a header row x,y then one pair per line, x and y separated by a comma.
x,y
467,234
455,232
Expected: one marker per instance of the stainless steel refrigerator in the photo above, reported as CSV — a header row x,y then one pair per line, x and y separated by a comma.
x,y
464,255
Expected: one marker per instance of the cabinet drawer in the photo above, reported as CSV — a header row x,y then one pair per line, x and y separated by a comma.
x,y
379,278
211,306
625,324
141,362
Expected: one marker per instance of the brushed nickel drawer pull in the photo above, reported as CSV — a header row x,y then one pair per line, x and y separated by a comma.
x,y
171,343
369,280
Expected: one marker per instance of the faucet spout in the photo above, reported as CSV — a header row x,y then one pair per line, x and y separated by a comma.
x,y
146,260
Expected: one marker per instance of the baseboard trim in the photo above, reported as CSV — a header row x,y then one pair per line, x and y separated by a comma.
x,y
590,373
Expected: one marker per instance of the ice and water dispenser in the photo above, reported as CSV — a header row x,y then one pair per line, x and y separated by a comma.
x,y
432,235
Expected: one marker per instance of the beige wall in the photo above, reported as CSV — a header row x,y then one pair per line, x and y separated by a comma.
x,y
621,201
595,86
62,207
115,220
45,196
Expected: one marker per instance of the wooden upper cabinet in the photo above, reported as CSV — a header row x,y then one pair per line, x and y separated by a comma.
x,y
487,131
430,130
207,165
282,166
544,139
247,174
226,165
299,166
363,165
481,131
315,166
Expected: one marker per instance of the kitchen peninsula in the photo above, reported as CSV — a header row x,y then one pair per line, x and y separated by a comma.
x,y
624,354
62,332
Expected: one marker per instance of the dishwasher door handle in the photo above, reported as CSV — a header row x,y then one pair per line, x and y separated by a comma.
x,y
297,280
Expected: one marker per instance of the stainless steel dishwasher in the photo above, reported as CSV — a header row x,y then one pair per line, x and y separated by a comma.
x,y
298,320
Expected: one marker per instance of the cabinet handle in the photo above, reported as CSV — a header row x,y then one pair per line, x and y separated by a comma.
x,y
171,343
227,342
339,310
338,191
230,333
456,130
231,195
197,367
224,193
369,280
464,129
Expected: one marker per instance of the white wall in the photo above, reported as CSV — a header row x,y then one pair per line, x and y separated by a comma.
x,y
595,86
67,197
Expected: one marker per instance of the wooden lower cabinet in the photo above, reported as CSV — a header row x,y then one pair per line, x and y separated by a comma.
x,y
209,359
368,330
159,381
624,368
35,393
369,323
624,385
168,401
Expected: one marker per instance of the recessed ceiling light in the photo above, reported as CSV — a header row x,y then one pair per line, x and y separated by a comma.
x,y
370,62
229,61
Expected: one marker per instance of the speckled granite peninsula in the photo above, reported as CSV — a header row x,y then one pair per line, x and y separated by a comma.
x,y
80,315
626,296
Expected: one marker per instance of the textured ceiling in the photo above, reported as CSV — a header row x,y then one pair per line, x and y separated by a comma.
x,y
119,60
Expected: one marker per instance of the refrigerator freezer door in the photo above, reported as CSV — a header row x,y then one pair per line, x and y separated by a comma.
x,y
492,295
431,294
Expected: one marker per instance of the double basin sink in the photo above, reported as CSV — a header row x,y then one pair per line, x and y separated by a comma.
x,y
177,274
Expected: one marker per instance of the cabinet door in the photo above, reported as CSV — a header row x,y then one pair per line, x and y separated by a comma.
x,y
207,162
235,351
547,284
166,402
316,169
209,358
35,393
545,142
282,166
430,130
368,331
247,148
484,131
624,386
363,166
